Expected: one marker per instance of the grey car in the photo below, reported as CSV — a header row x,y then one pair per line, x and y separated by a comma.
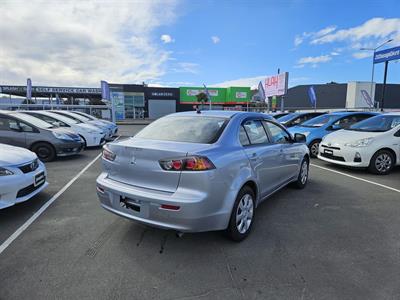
x,y
194,172
46,140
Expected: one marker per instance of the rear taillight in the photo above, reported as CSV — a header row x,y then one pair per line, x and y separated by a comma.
x,y
190,163
108,154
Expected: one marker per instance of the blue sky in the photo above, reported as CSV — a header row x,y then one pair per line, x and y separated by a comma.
x,y
181,43
257,37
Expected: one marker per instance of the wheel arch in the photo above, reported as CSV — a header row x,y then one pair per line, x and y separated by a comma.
x,y
389,150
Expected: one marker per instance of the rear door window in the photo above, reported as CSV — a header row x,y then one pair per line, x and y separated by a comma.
x,y
255,131
278,135
244,140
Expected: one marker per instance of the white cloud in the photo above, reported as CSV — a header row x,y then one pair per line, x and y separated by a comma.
x,y
249,81
215,39
82,42
325,31
335,53
362,54
166,38
314,60
186,67
377,28
298,40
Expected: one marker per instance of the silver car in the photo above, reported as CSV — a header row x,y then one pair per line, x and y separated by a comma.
x,y
194,172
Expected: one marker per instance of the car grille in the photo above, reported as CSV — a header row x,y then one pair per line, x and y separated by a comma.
x,y
29,189
32,166
330,147
331,156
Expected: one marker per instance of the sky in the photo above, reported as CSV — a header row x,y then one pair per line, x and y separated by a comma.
x,y
188,43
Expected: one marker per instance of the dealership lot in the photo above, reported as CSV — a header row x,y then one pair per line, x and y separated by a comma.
x,y
337,239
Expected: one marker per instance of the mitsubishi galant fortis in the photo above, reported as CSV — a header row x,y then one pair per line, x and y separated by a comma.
x,y
204,171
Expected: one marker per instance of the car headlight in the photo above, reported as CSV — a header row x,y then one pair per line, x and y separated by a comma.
x,y
360,143
5,172
62,136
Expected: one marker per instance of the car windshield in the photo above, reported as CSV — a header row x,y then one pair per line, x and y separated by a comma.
x,y
32,120
288,117
62,118
80,117
78,121
85,115
204,130
380,123
319,121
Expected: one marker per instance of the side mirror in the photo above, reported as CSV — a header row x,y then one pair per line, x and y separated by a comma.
x,y
334,127
15,127
299,138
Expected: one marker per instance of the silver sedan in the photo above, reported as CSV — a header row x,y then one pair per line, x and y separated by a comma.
x,y
194,172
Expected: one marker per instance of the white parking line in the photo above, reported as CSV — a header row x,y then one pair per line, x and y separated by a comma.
x,y
358,178
37,214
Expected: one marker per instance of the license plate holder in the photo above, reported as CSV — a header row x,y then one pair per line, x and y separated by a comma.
x,y
129,203
39,179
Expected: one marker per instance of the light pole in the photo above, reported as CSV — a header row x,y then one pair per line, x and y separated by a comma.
x,y
373,65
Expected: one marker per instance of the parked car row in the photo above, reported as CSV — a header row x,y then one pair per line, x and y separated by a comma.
x,y
356,139
54,133
29,138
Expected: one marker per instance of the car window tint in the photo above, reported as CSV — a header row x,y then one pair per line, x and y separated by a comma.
x,y
25,127
244,140
4,123
255,132
205,130
278,135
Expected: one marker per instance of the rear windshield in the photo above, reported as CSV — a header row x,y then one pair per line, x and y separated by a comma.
x,y
203,130
320,121
288,117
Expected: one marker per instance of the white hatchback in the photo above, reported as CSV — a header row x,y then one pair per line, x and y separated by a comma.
x,y
373,143
22,175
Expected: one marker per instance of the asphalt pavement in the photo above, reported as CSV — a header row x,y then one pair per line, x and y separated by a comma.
x,y
339,238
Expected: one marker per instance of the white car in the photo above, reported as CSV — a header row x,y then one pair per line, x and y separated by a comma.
x,y
106,128
22,175
91,135
113,126
373,143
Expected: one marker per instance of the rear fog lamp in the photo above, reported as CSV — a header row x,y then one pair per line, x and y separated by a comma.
x,y
169,207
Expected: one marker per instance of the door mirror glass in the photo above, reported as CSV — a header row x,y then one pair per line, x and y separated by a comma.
x,y
299,138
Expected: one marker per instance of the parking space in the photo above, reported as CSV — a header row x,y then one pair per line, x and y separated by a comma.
x,y
337,239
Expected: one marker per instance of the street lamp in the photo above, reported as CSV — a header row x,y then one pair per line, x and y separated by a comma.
x,y
373,65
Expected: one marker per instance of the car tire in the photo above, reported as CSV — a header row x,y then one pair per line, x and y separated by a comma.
x,y
44,151
382,162
302,178
84,142
242,216
314,145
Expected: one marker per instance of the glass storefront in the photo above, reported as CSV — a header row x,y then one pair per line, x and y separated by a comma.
x,y
128,105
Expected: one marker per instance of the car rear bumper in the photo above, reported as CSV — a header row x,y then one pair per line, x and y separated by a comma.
x,y
195,214
21,187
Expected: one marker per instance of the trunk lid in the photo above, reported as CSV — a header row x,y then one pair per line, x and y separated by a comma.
x,y
137,162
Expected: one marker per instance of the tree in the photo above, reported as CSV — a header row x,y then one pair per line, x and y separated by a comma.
x,y
202,97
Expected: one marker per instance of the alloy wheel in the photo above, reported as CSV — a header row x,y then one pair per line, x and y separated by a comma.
x,y
383,163
314,148
244,213
304,172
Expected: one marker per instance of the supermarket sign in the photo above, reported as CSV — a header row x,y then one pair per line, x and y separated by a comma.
x,y
387,55
276,85
195,92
